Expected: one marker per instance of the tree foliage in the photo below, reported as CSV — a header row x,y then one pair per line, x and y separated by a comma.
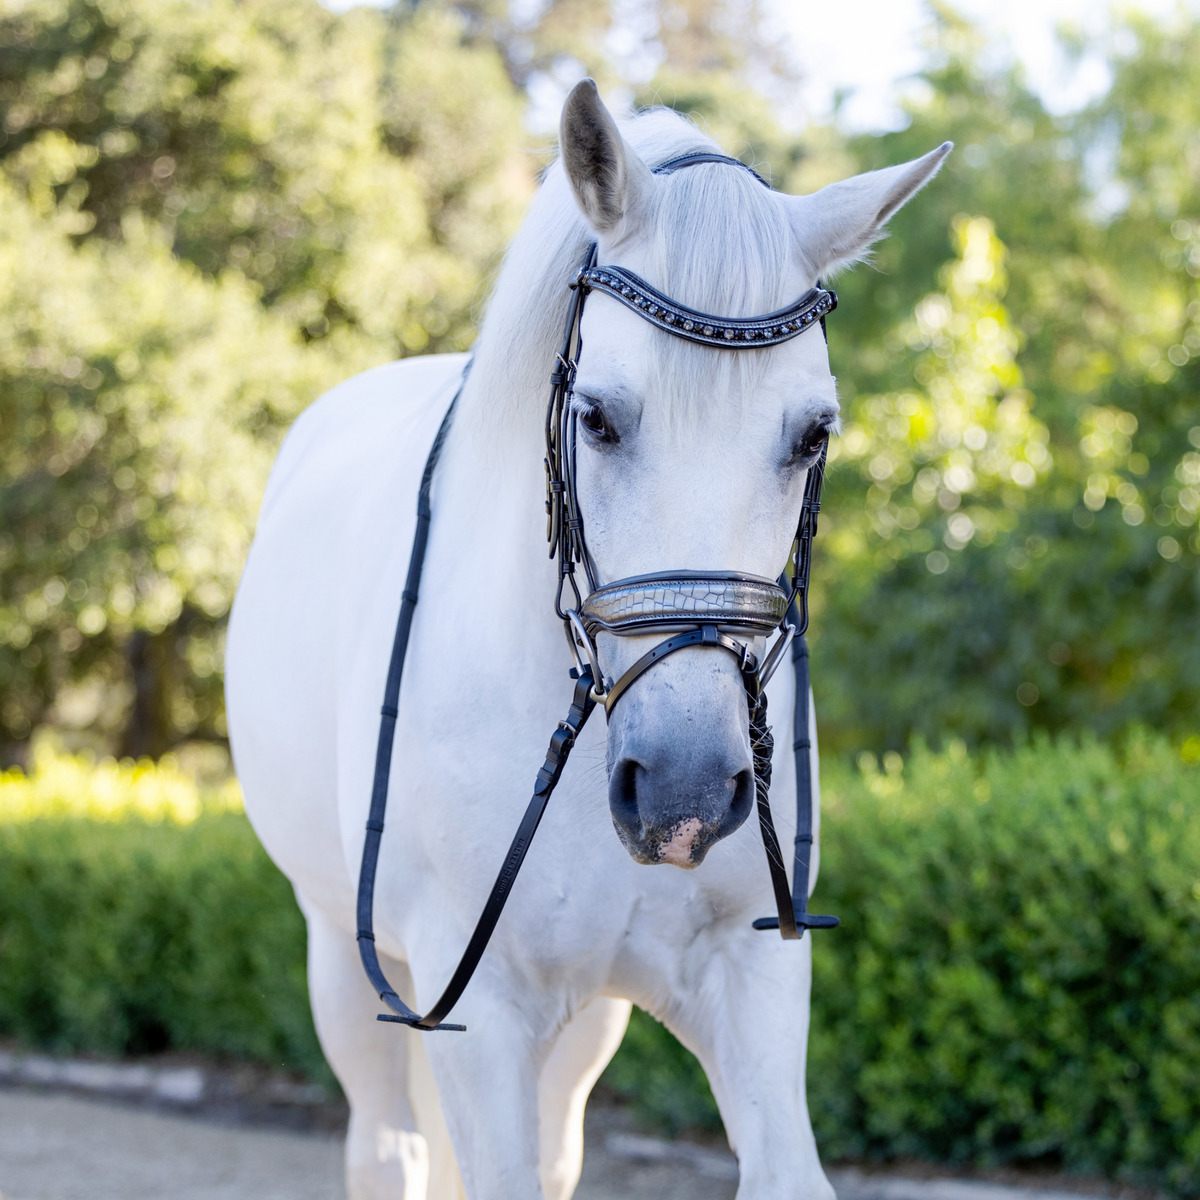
x,y
1011,534
350,166
210,214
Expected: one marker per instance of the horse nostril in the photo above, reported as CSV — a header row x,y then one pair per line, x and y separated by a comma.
x,y
743,788
624,787
653,808
740,802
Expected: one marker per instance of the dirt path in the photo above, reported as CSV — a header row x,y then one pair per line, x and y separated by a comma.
x,y
60,1147
66,1147
55,1147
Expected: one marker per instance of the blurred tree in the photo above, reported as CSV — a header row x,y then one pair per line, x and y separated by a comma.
x,y
210,214
624,41
1060,590
717,61
214,210
360,170
140,406
720,66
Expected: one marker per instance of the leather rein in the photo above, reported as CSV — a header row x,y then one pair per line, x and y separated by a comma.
x,y
723,610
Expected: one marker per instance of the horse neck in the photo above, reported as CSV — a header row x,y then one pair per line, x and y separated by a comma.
x,y
494,459
491,494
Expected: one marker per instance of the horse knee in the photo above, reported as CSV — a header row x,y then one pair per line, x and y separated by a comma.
x,y
386,1163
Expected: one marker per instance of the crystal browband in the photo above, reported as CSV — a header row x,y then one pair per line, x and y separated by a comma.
x,y
728,333
684,599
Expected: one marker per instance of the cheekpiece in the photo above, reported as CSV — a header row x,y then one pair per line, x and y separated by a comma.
x,y
725,333
684,599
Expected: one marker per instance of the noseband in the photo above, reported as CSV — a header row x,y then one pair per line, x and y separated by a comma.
x,y
723,610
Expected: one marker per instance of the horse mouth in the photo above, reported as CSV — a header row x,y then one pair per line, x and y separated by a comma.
x,y
680,848
682,845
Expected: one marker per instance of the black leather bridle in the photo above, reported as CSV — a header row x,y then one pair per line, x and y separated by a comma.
x,y
724,610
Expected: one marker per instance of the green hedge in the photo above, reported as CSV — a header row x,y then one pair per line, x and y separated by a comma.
x,y
132,937
1017,977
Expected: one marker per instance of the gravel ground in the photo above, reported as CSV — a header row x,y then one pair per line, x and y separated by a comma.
x,y
58,1146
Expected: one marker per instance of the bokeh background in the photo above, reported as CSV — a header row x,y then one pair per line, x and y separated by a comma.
x,y
211,212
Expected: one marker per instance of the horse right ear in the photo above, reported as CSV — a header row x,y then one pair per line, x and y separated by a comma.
x,y
836,226
608,178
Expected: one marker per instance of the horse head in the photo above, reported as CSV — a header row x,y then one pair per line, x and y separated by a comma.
x,y
693,457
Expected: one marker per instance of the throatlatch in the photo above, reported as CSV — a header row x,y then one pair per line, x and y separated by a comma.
x,y
720,609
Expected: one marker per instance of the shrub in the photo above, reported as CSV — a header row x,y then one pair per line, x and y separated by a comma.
x,y
1018,976
65,786
138,914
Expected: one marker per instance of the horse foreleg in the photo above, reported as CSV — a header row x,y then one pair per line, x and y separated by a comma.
x,y
388,1155
749,1027
582,1051
488,1082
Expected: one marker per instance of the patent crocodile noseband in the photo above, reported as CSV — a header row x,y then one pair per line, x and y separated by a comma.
x,y
723,610
754,605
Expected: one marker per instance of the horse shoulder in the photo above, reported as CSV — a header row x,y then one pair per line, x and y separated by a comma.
x,y
354,455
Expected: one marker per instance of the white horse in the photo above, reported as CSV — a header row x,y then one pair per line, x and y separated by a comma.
x,y
690,458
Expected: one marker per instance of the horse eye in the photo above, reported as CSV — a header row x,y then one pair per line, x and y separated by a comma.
x,y
592,419
810,446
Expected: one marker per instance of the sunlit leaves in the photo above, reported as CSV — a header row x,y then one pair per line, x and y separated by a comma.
x,y
208,213
1055,545
361,170
949,459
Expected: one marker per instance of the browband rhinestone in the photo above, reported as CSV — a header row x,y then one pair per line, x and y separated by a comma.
x,y
729,334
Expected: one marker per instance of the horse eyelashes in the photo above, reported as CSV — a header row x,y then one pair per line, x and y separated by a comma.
x,y
593,420
810,444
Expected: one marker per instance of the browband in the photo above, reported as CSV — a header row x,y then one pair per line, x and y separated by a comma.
x,y
728,333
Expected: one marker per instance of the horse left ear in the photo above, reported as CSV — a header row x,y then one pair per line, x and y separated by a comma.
x,y
836,226
607,177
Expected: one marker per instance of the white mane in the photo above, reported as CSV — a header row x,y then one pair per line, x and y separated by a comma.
x,y
719,242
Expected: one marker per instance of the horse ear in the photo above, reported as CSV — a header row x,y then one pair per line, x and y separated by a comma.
x,y
837,225
607,177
